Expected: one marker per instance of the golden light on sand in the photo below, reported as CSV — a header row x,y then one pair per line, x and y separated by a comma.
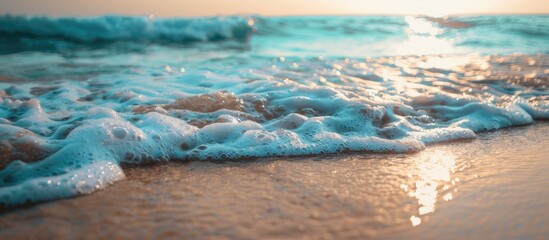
x,y
433,178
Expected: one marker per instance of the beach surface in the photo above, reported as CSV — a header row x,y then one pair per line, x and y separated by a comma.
x,y
491,187
83,97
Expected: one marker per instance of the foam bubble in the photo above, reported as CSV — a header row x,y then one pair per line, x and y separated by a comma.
x,y
67,137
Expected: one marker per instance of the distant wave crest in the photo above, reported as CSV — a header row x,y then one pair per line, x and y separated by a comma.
x,y
127,28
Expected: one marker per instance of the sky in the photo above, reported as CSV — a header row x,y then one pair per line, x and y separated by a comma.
x,y
191,8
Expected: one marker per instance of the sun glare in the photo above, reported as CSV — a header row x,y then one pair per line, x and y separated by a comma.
x,y
424,38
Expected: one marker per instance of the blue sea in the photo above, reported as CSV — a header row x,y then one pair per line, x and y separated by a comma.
x,y
82,96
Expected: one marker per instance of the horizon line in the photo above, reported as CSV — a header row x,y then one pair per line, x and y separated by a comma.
x,y
280,15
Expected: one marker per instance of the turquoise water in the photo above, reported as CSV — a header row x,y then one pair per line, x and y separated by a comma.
x,y
81,96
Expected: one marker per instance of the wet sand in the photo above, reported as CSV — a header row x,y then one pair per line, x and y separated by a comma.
x,y
491,187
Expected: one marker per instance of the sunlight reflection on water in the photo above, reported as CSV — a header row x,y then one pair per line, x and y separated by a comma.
x,y
424,38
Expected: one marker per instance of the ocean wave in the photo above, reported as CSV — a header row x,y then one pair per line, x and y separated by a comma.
x,y
127,28
340,36
67,137
74,110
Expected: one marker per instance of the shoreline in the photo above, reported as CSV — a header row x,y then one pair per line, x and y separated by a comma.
x,y
466,187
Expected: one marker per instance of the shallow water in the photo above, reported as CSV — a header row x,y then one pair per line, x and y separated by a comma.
x,y
492,187
82,96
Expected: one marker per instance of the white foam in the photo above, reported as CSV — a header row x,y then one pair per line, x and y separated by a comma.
x,y
84,132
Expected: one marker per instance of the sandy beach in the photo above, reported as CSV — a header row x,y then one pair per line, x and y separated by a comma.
x,y
494,187
260,119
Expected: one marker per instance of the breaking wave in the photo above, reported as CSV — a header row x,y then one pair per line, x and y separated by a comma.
x,y
128,28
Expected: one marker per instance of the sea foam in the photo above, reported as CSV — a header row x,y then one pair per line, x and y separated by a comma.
x,y
69,119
